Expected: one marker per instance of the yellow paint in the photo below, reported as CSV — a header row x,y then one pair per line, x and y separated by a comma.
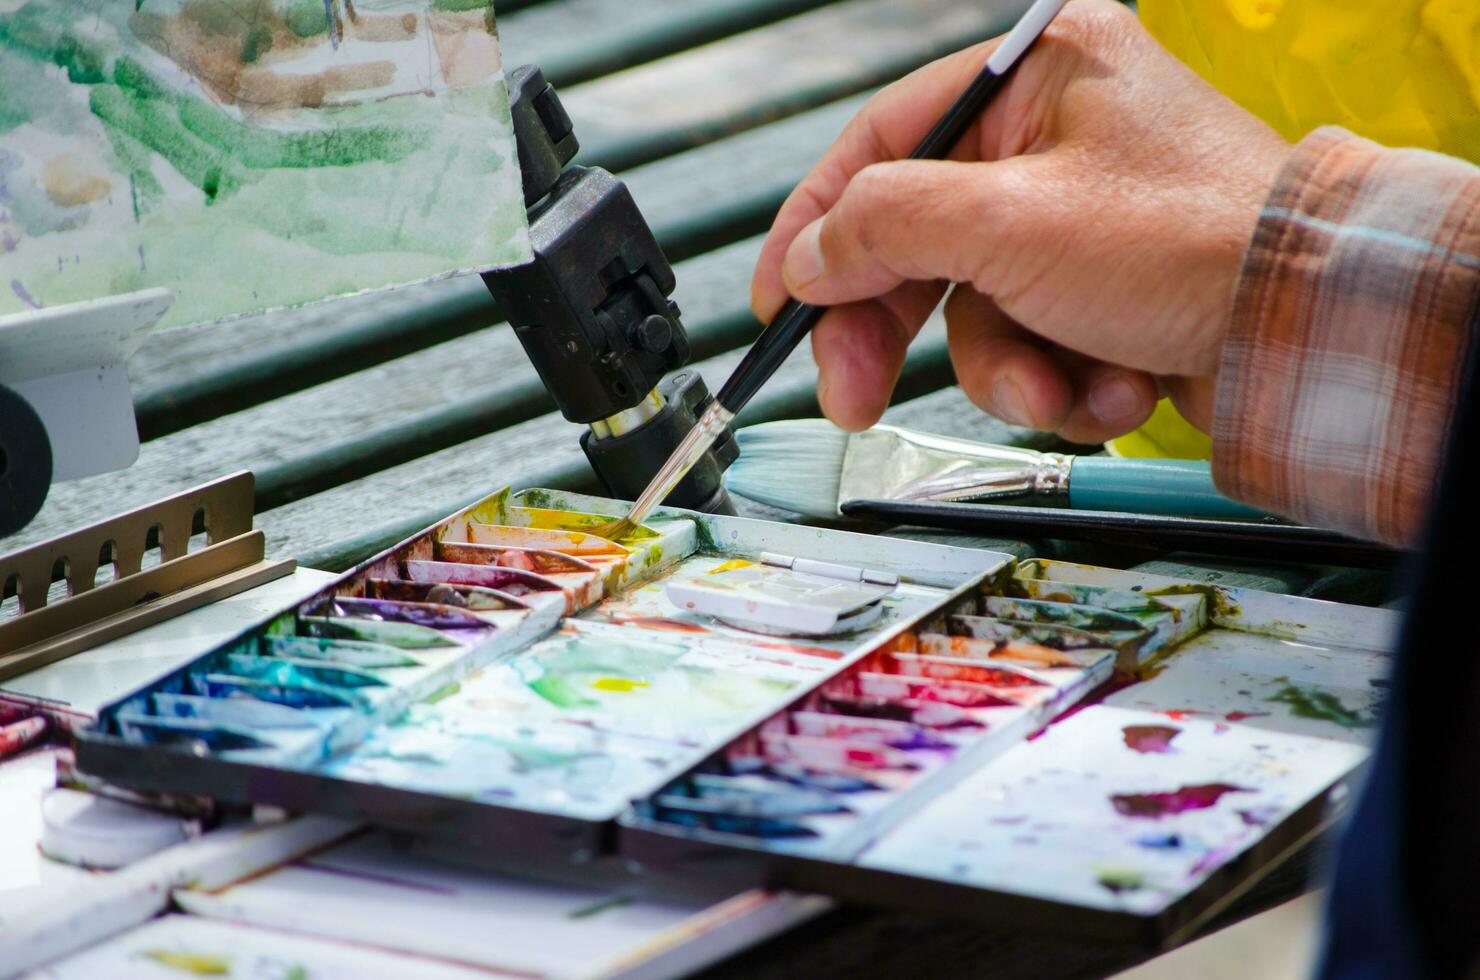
x,y
200,964
618,685
1401,72
731,565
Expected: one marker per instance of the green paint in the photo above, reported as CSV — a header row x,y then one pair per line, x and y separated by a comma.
x,y
599,906
1119,879
1305,702
273,209
443,693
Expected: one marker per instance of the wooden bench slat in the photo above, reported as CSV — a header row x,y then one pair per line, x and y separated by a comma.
x,y
763,75
578,40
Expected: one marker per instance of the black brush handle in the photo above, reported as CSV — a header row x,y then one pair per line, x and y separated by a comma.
x,y
797,319
1236,539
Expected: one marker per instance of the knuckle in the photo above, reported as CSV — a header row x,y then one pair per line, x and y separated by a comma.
x,y
1090,25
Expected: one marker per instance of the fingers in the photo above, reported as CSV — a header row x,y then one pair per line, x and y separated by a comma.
x,y
1003,369
1017,377
1109,401
860,348
920,219
887,128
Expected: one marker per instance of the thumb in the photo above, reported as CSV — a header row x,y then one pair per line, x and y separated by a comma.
x,y
914,220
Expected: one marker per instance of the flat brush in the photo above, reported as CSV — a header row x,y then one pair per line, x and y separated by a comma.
x,y
814,468
796,319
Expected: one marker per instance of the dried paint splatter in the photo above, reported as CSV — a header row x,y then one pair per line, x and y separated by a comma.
x,y
1117,879
1306,702
1157,805
1150,738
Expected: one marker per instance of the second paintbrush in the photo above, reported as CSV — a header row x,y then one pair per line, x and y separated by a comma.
x,y
796,319
813,468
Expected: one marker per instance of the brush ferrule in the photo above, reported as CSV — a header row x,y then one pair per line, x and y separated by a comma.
x,y
886,463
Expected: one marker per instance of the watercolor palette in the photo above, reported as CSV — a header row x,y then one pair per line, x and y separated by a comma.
x,y
508,679
1227,735
995,737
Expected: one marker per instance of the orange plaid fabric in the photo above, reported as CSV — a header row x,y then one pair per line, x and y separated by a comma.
x,y
1349,330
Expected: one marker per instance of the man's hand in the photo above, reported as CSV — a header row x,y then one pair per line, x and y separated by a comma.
x,y
1094,219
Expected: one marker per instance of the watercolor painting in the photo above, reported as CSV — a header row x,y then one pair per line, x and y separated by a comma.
x,y
250,154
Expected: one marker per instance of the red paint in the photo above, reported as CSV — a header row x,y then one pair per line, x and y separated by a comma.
x,y
1157,805
18,735
1150,738
1241,715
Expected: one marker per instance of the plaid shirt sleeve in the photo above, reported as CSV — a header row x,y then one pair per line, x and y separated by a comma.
x,y
1348,336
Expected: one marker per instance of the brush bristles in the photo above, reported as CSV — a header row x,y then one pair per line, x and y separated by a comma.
x,y
795,465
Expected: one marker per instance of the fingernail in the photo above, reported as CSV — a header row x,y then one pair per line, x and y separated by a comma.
x,y
1114,400
804,258
1008,400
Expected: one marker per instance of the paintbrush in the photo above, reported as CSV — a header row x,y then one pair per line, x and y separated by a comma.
x,y
813,468
796,319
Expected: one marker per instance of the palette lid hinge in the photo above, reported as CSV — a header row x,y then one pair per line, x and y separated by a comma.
x,y
829,569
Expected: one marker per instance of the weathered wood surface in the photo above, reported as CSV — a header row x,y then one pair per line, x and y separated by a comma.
x,y
577,40
765,74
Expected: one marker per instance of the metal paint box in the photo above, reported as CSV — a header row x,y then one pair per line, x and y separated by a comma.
x,y
578,717
505,682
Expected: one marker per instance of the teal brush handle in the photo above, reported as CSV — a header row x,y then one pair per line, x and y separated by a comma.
x,y
1171,487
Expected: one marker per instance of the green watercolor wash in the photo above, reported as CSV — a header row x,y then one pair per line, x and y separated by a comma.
x,y
461,6
1320,706
306,18
308,203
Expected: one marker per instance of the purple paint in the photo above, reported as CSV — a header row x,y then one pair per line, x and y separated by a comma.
x,y
1154,806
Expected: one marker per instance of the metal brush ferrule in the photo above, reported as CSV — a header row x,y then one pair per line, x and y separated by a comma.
x,y
896,464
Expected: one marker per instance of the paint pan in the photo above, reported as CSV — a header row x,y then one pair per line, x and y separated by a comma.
x,y
470,597
304,694
506,581
349,653
896,734
1010,652
835,754
931,714
282,670
577,543
246,713
771,799
686,815
1055,636
442,618
188,734
540,560
997,675
405,636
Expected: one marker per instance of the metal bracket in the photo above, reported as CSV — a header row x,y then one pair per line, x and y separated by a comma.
x,y
233,561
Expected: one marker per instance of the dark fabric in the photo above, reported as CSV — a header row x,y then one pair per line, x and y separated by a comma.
x,y
1405,895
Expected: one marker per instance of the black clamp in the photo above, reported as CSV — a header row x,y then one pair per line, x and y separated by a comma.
x,y
593,313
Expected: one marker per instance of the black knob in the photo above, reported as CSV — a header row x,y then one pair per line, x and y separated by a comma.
x,y
653,334
25,462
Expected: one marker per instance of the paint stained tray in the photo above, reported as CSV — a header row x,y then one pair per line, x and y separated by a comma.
x,y
1228,737
510,686
509,683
